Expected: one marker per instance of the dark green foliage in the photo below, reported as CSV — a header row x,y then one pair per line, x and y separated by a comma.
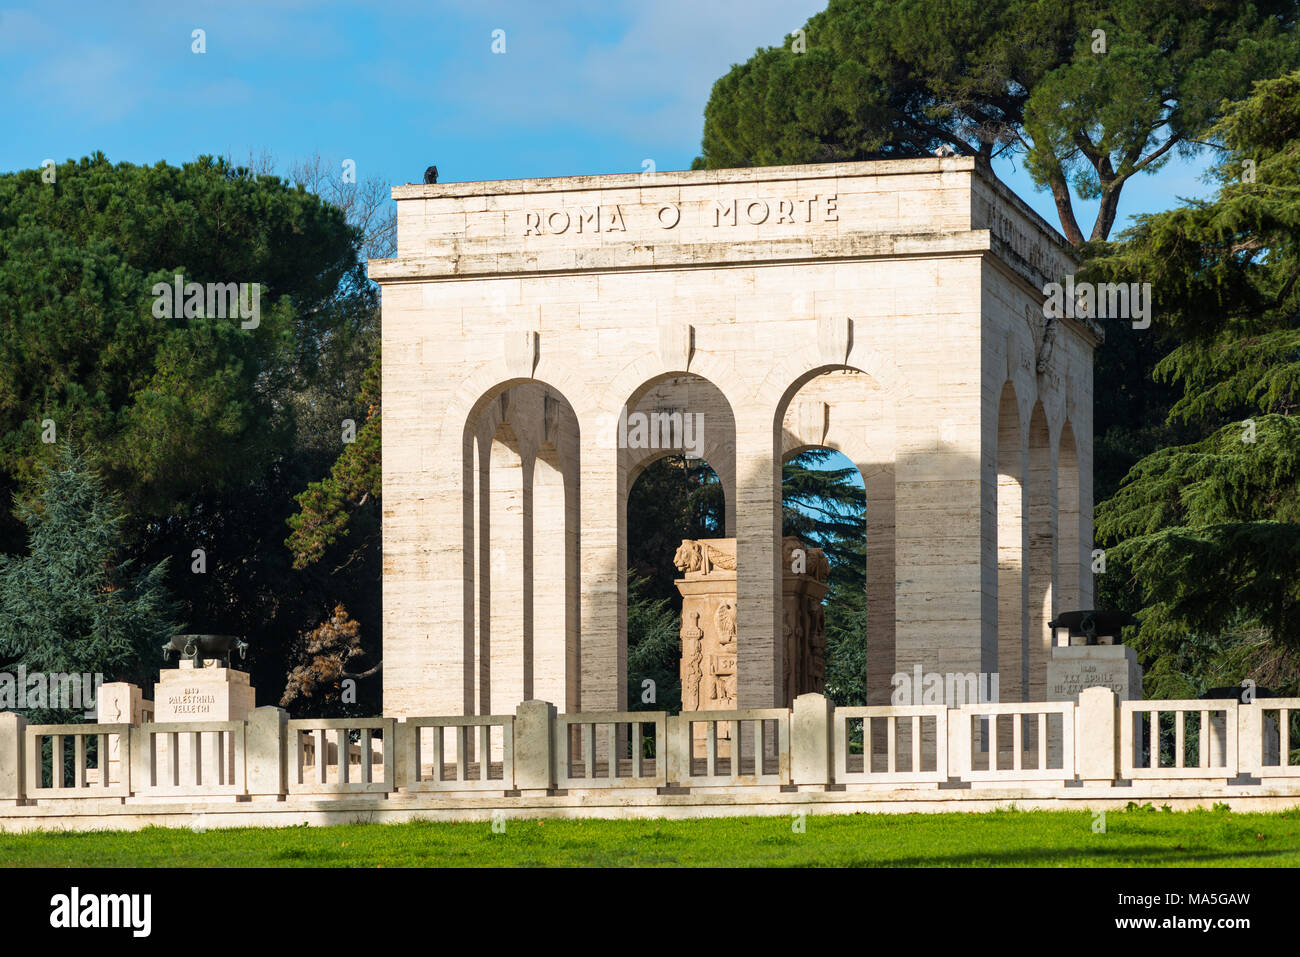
x,y
673,498
846,635
73,604
656,651
327,506
1206,535
169,405
207,430
824,507
883,78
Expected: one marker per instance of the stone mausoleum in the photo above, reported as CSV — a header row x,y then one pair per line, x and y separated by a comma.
x,y
545,340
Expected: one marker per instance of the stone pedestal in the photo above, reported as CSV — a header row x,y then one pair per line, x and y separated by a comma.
x,y
188,694
709,626
1072,668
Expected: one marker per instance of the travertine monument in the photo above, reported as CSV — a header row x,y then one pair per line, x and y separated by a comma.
x,y
545,340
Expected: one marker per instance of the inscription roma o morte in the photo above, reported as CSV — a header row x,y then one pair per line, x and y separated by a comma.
x,y
717,213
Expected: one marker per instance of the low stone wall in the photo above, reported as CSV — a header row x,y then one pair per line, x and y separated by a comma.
x,y
812,758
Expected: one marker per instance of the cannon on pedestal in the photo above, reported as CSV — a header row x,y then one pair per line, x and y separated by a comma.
x,y
200,648
1093,625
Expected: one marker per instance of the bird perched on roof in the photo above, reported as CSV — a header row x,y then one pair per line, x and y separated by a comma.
x,y
431,176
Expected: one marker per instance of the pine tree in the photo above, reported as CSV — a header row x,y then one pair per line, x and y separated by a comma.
x,y
70,605
1206,536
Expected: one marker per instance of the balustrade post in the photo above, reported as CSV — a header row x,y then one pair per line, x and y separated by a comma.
x,y
266,752
1096,736
534,746
13,735
812,741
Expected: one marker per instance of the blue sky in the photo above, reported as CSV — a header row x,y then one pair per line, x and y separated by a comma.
x,y
583,87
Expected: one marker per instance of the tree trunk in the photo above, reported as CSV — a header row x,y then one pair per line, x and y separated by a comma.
x,y
1064,209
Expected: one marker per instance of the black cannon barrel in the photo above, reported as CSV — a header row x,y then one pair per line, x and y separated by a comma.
x,y
1093,624
198,648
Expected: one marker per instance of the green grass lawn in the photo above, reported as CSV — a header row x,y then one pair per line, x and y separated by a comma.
x,y
1136,837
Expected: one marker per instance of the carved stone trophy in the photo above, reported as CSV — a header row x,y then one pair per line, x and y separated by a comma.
x,y
710,625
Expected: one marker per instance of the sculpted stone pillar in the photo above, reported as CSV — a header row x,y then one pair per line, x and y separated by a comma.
x,y
710,651
803,619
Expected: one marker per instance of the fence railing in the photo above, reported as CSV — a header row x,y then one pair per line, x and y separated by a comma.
x,y
887,745
468,753
732,748
75,775
1265,739
188,758
323,758
1100,742
1033,741
1156,737
610,749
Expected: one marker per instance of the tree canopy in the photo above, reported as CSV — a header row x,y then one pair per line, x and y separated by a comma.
x,y
206,426
75,603
1090,93
1208,532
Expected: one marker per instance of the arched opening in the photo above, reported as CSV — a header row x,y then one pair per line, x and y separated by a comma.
x,y
676,444
1013,634
1071,560
842,421
1041,516
824,504
673,498
521,550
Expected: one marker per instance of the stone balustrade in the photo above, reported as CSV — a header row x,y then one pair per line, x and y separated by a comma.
x,y
613,763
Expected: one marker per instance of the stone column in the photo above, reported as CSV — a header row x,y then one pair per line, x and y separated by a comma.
x,y
944,509
603,549
758,526
506,542
879,482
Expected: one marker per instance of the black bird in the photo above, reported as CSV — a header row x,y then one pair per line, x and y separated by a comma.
x,y
431,176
